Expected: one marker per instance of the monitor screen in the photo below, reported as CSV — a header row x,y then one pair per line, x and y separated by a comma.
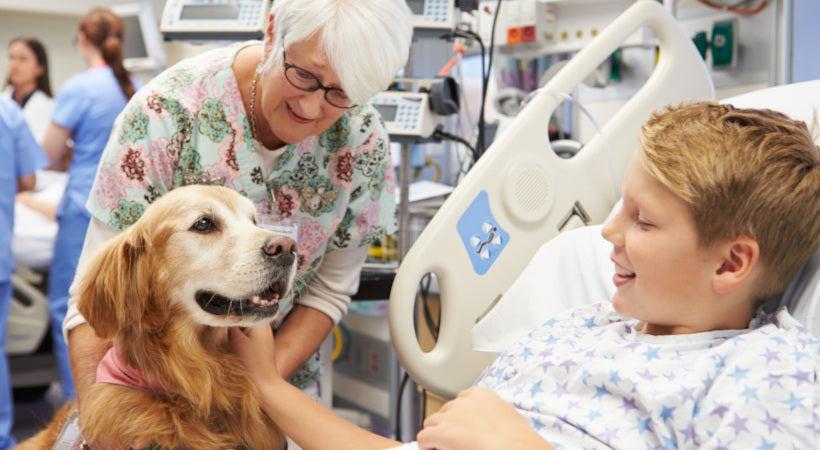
x,y
210,12
142,42
416,6
133,41
388,112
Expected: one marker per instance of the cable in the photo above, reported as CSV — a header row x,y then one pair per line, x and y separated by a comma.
x,y
734,9
486,73
467,34
398,406
429,162
440,134
481,132
424,287
424,290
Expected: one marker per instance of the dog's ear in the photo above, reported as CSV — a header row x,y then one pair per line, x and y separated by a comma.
x,y
114,290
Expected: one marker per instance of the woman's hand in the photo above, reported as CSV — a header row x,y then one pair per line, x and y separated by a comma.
x,y
478,419
255,348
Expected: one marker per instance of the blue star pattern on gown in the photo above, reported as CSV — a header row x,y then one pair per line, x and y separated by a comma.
x,y
587,378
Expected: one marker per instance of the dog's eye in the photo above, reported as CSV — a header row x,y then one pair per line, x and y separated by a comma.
x,y
204,225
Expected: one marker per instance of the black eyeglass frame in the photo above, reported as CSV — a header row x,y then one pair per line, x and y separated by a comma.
x,y
318,84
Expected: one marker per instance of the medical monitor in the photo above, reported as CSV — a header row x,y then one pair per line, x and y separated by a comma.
x,y
432,14
143,43
214,20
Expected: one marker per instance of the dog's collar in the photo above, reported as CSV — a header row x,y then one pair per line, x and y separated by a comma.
x,y
113,371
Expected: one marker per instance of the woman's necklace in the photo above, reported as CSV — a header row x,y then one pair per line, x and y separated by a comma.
x,y
252,118
254,126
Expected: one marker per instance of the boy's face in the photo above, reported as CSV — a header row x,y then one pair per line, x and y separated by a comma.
x,y
663,276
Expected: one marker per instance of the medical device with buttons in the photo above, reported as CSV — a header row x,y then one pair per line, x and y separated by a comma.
x,y
414,116
531,28
214,20
406,115
433,14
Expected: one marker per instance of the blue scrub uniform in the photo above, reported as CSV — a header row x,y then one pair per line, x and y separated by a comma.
x,y
87,105
21,156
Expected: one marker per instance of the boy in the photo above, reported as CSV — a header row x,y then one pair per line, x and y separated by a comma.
x,y
719,212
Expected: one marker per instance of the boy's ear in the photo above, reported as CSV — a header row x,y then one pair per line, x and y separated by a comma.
x,y
739,259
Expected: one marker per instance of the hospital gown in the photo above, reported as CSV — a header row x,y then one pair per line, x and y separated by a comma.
x,y
588,379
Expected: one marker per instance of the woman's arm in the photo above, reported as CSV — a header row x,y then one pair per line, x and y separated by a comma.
x,y
55,146
26,183
289,407
300,334
322,304
47,209
85,349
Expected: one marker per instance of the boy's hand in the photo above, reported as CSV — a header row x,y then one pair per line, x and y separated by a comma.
x,y
478,419
255,348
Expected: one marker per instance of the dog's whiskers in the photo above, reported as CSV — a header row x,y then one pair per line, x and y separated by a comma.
x,y
213,297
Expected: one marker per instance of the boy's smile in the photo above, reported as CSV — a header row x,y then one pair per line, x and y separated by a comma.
x,y
662,273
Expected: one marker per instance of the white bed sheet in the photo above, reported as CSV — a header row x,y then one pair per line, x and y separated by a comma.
x,y
33,242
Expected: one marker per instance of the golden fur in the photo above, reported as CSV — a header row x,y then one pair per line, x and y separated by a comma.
x,y
142,289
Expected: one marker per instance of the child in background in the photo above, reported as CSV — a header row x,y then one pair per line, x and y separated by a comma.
x,y
719,213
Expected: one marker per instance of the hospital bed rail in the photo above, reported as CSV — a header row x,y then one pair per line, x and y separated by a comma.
x,y
520,194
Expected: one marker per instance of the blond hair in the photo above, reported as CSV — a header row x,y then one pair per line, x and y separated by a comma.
x,y
743,172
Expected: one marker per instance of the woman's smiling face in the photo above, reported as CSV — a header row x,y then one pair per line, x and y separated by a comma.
x,y
291,113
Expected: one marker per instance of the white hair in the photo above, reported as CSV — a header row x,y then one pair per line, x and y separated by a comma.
x,y
366,42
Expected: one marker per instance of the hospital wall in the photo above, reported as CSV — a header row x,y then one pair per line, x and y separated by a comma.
x,y
774,47
55,31
56,28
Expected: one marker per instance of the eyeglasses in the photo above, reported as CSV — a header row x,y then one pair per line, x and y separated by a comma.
x,y
305,81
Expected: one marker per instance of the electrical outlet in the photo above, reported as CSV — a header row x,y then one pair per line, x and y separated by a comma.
x,y
724,44
701,43
369,360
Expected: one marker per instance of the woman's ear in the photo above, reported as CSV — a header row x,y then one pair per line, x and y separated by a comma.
x,y
267,47
739,259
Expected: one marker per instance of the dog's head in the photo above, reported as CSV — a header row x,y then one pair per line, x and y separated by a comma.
x,y
196,254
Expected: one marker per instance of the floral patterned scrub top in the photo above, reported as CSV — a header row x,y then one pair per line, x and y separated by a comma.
x,y
189,125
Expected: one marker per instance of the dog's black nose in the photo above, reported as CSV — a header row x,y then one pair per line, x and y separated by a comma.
x,y
280,249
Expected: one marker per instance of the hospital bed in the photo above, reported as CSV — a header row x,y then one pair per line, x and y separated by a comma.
x,y
28,342
524,210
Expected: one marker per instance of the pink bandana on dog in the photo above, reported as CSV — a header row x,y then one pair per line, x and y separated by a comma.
x,y
113,371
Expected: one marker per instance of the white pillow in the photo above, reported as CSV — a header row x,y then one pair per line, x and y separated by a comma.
x,y
803,295
570,270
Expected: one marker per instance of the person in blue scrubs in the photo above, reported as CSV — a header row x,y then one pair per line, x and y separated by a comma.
x,y
85,109
21,156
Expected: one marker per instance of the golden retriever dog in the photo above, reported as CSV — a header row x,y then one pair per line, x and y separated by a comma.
x,y
165,291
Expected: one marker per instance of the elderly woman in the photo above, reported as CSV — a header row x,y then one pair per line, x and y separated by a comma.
x,y
286,123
